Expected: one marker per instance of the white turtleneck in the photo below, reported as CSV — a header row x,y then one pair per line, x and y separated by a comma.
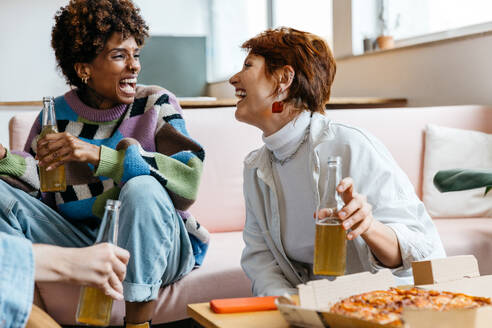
x,y
292,181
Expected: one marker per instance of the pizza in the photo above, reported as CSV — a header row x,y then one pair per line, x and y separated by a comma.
x,y
386,306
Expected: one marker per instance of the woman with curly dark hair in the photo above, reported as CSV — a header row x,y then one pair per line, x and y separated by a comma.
x,y
117,140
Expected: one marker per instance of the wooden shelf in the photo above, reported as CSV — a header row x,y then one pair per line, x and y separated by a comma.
x,y
334,103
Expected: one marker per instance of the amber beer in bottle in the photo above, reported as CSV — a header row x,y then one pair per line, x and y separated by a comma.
x,y
330,244
94,306
53,180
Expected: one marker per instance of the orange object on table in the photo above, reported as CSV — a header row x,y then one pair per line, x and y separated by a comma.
x,y
244,304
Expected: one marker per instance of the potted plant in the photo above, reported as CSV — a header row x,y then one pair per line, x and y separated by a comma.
x,y
385,40
462,179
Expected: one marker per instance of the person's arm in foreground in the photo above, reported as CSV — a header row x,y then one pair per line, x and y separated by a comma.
x,y
102,266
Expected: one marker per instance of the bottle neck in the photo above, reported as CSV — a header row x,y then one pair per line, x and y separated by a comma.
x,y
108,231
49,118
331,198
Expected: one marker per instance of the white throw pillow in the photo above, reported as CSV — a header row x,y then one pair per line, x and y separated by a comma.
x,y
450,148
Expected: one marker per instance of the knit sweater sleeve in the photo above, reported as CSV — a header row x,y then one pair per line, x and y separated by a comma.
x,y
177,164
18,168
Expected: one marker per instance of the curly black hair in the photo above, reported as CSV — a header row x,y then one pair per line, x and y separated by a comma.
x,y
83,27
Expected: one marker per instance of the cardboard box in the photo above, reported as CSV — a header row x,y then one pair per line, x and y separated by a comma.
x,y
456,274
446,269
317,296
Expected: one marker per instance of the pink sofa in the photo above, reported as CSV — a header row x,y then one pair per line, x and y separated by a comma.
x,y
220,205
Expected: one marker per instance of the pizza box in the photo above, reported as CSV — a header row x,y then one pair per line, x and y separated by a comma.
x,y
317,296
456,274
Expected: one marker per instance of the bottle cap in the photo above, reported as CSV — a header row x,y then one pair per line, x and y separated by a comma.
x,y
113,204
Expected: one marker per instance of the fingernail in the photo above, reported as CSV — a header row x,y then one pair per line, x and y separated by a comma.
x,y
346,225
349,236
341,214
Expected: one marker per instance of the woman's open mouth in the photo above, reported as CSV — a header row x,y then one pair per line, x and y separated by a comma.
x,y
240,94
127,86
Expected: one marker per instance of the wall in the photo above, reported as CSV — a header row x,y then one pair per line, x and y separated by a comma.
x,y
27,63
171,17
28,67
450,72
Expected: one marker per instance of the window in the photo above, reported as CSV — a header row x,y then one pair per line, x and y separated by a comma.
x,y
412,18
407,21
233,22
313,16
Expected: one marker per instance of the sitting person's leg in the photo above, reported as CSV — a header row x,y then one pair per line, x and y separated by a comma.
x,y
155,235
25,216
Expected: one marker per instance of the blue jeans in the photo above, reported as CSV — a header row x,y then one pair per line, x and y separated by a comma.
x,y
149,228
16,281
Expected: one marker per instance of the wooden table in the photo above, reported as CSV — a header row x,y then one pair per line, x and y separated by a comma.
x,y
201,313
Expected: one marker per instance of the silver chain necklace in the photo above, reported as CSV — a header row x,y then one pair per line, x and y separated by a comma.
x,y
281,162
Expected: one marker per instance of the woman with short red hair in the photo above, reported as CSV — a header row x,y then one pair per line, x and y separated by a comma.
x,y
283,88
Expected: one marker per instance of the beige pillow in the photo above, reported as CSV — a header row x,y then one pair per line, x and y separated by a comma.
x,y
449,148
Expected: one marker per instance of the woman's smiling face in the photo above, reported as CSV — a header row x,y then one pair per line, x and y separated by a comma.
x,y
254,89
113,73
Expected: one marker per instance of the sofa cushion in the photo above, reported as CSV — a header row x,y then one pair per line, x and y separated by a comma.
x,y
19,128
220,276
468,236
450,148
402,129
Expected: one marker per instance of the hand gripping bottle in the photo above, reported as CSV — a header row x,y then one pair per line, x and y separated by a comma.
x,y
94,306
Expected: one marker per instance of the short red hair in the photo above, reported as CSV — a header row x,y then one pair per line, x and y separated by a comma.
x,y
310,57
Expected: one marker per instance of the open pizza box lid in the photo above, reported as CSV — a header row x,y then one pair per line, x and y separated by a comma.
x,y
455,274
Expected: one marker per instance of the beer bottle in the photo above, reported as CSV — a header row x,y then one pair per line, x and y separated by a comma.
x,y
53,180
330,244
94,306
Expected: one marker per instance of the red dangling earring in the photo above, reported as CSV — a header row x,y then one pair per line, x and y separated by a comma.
x,y
277,107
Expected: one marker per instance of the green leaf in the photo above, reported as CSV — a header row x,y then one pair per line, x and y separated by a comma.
x,y
461,179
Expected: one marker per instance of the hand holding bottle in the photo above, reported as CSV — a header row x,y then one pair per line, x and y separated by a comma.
x,y
95,304
357,212
102,266
56,149
330,241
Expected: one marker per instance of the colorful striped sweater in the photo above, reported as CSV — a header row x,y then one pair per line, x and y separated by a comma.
x,y
148,137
